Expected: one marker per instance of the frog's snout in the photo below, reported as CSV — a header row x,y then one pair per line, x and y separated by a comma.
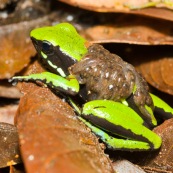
x,y
36,44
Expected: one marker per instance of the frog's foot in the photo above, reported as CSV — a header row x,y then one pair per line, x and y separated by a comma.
x,y
67,85
143,110
118,119
161,108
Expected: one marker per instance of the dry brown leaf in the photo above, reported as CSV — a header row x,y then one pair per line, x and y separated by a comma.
x,y
113,5
131,29
167,71
163,160
16,48
127,6
53,140
158,74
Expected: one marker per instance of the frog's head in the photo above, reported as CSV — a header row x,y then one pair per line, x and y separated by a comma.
x,y
59,46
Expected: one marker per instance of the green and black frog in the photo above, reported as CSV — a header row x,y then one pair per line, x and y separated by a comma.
x,y
117,105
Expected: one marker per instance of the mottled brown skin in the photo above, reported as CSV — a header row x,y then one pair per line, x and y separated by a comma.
x,y
107,76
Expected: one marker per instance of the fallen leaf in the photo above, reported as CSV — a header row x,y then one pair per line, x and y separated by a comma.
x,y
157,73
127,6
130,29
52,139
16,48
163,160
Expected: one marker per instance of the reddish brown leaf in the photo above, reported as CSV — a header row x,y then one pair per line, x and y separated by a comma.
x,y
158,74
15,49
53,139
163,160
167,71
132,29
15,46
127,6
115,5
161,13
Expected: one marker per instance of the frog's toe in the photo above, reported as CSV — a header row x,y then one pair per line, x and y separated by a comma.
x,y
14,80
145,111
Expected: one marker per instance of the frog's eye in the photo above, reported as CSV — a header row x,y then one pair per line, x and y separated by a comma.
x,y
47,47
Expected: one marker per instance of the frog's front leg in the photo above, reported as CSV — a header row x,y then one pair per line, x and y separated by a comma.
x,y
117,119
67,85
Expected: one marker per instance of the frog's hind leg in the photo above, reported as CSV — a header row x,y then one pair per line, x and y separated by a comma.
x,y
67,85
117,143
161,108
116,118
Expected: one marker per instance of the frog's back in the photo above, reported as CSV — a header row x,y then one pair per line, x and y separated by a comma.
x,y
106,75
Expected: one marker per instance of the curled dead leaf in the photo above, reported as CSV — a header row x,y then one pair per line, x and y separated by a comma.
x,y
158,74
16,48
